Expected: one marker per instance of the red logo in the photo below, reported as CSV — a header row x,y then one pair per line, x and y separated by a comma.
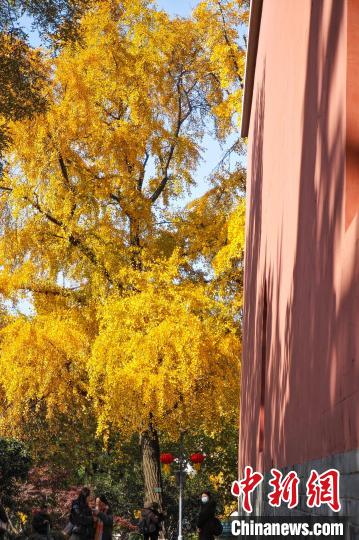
x,y
246,486
324,489
284,489
321,489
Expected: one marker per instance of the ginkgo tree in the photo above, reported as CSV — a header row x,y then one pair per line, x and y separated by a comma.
x,y
22,76
123,321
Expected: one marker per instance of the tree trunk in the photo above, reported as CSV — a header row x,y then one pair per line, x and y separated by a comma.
x,y
150,450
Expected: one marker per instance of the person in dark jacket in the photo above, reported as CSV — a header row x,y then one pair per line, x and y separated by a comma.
x,y
103,519
82,518
41,521
152,519
4,522
205,521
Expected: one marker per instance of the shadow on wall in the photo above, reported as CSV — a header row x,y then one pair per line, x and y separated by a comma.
x,y
312,373
250,400
314,326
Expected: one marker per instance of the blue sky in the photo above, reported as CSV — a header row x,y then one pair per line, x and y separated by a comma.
x,y
178,7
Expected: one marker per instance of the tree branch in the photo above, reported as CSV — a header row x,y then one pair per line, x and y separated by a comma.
x,y
71,292
228,42
179,123
142,174
73,240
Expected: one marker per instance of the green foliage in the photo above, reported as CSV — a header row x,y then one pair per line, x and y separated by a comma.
x,y
59,18
49,16
22,73
15,464
117,473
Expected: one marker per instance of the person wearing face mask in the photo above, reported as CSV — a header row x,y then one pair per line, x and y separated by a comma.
x,y
207,517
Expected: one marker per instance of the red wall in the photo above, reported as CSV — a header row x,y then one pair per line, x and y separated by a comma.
x,y
300,375
352,164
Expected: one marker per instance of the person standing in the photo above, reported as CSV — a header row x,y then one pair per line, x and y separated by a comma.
x,y
150,524
82,518
103,519
207,516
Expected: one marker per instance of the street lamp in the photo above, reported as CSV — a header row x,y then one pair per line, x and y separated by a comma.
x,y
196,459
180,500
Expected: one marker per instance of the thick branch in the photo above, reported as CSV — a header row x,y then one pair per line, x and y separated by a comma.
x,y
49,216
72,292
179,123
64,170
67,182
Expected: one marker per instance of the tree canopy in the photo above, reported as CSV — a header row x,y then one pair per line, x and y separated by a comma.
x,y
132,305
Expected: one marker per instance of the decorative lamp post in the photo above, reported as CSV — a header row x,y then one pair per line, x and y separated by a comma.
x,y
166,460
197,460
181,475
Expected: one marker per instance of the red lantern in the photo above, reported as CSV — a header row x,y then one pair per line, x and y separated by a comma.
x,y
197,460
166,460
